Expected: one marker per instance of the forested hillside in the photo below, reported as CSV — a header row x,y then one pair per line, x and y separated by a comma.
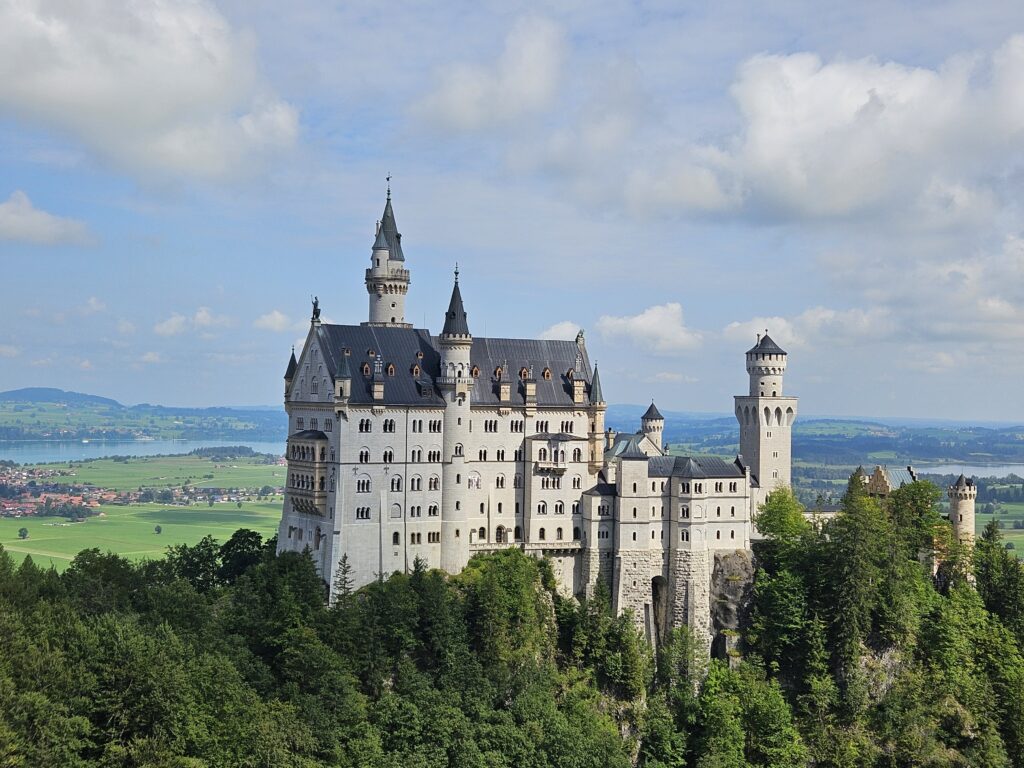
x,y
226,655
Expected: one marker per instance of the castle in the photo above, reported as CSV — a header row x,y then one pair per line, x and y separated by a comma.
x,y
405,445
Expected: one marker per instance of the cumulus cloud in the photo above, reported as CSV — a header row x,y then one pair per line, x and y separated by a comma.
x,y
275,320
161,86
203,320
565,330
23,222
125,327
831,139
152,357
93,306
814,324
7,350
658,329
523,81
86,365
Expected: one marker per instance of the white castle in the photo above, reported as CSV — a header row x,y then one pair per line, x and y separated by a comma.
x,y
406,445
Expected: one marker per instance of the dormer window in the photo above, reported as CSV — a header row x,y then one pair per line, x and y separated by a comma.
x,y
366,369
497,373
570,374
524,374
419,355
416,371
370,353
475,372
391,369
547,374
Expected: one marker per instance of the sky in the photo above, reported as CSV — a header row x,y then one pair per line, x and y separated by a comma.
x,y
178,177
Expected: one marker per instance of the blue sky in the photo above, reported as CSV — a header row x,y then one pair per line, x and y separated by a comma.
x,y
177,177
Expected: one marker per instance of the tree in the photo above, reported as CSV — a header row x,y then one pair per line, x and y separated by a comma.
x,y
158,529
23,533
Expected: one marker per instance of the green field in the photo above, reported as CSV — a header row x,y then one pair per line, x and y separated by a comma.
x,y
170,471
129,530
1008,513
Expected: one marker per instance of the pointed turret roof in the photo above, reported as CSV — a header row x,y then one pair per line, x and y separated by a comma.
x,y
381,243
961,482
766,346
455,323
596,396
292,365
344,370
390,230
652,413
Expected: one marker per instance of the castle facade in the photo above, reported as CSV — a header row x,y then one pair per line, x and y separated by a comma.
x,y
406,445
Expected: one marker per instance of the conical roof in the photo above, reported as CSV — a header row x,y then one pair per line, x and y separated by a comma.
x,y
455,323
381,243
961,482
766,346
390,230
344,369
652,413
292,365
596,396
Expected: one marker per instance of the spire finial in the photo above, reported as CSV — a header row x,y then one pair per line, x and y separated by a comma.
x,y
456,271
388,178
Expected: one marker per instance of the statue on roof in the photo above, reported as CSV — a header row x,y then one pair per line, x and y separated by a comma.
x,y
316,308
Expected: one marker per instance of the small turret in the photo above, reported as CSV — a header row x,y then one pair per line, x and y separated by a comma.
x,y
387,279
455,322
596,396
289,373
962,495
766,364
652,423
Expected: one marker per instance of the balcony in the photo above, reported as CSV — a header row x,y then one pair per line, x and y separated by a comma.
x,y
386,275
555,467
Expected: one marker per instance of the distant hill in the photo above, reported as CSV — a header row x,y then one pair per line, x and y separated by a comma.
x,y
51,395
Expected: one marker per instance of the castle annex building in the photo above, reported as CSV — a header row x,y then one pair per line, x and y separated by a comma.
x,y
406,444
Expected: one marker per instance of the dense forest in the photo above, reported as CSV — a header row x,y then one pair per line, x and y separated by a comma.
x,y
852,654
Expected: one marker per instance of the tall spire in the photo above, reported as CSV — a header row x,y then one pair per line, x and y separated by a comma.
x,y
390,228
596,396
455,323
292,365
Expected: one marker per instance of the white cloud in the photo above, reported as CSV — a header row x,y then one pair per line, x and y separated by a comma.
x,y
93,306
152,85
41,362
659,329
565,330
854,136
524,80
274,320
152,357
23,222
7,350
671,377
815,324
204,318
125,327
86,365
172,326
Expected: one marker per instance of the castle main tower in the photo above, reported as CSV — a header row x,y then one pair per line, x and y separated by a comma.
x,y
962,495
387,279
456,385
766,418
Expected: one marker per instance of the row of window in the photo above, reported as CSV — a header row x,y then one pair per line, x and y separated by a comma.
x,y
685,487
308,482
433,425
307,453
300,424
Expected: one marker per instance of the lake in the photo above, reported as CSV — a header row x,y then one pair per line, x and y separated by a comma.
x,y
975,470
40,451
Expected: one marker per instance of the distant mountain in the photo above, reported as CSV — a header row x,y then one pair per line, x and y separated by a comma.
x,y
51,395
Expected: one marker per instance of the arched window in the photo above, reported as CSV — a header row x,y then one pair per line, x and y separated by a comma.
x,y
558,534
458,449
395,539
540,534
499,535
559,508
543,454
542,508
518,534
482,534
577,454
389,456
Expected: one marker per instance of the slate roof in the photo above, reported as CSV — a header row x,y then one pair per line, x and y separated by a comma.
x,y
601,489
399,347
898,477
766,346
596,396
381,242
390,229
962,482
652,413
292,365
455,323
695,467
310,434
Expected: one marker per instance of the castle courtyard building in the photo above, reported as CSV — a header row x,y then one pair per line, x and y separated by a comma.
x,y
403,445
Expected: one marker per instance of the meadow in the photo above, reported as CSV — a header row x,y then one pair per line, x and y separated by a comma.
x,y
169,472
131,530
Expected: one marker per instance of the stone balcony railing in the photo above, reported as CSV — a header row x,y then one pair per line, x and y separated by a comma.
x,y
390,274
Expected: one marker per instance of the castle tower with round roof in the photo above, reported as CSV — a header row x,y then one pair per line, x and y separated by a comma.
x,y
962,495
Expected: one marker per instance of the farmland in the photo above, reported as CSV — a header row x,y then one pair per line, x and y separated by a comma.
x,y
131,530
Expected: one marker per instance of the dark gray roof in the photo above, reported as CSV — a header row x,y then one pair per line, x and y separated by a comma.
x,y
765,346
399,347
292,365
512,355
625,441
310,434
381,241
963,482
652,413
601,489
390,228
695,467
596,396
344,370
455,323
